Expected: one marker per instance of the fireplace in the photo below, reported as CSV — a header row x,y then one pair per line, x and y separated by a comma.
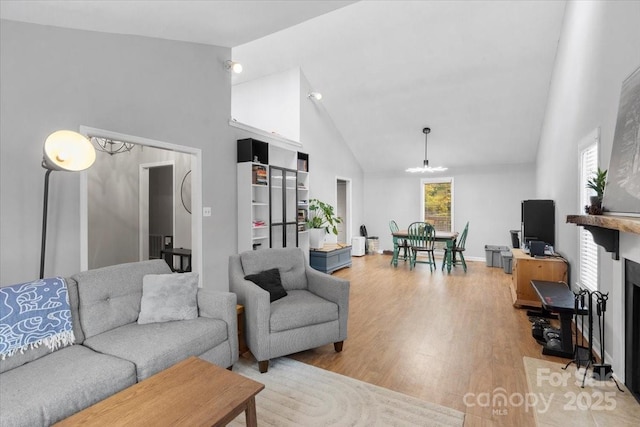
x,y
632,327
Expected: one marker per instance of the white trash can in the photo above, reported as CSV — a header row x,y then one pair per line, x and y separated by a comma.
x,y
357,246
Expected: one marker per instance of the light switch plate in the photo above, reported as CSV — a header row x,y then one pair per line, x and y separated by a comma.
x,y
206,211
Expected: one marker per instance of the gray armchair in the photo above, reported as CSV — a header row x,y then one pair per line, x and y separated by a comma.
x,y
314,312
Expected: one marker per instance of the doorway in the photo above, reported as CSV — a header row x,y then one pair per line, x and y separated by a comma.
x,y
124,213
343,209
157,207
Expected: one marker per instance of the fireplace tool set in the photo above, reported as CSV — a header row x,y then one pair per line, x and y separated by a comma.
x,y
584,353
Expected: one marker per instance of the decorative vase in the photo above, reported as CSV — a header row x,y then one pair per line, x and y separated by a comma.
x,y
316,238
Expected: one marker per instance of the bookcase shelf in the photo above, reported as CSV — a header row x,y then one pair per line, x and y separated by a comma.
x,y
271,181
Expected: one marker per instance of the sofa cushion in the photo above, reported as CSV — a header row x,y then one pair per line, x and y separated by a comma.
x,y
110,296
269,280
64,382
290,262
167,297
156,346
301,308
31,354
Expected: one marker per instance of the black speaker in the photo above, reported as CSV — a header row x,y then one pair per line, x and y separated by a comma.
x,y
536,248
539,221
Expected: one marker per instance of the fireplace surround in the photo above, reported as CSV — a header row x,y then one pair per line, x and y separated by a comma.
x,y
620,235
632,327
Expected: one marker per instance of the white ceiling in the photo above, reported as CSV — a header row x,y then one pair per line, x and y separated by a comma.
x,y
477,73
225,23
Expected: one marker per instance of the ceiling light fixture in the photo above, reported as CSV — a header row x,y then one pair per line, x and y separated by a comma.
x,y
110,146
236,67
315,95
425,164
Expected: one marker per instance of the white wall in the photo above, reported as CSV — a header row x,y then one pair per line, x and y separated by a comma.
x,y
599,48
489,198
270,103
329,156
113,200
55,78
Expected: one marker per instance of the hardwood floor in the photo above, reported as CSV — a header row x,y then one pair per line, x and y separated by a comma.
x,y
435,336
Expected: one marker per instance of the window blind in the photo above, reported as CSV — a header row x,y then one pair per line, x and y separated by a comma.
x,y
588,270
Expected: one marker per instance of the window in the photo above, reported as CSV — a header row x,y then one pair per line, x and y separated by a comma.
x,y
437,203
588,250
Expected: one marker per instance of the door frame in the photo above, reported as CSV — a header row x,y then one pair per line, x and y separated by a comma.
x,y
196,195
143,204
348,207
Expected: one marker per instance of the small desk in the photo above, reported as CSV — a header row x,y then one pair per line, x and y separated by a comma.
x,y
191,393
185,257
330,258
556,297
441,236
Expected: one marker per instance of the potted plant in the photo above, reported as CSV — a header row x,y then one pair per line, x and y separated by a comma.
x,y
597,183
322,220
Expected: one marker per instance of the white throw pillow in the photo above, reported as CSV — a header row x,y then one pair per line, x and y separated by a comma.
x,y
167,297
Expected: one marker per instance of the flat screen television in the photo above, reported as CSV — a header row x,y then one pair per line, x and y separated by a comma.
x,y
538,221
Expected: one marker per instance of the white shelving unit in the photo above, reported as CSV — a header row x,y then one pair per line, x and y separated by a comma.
x,y
253,223
303,210
271,207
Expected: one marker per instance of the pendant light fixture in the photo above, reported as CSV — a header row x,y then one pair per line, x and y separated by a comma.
x,y
111,146
425,164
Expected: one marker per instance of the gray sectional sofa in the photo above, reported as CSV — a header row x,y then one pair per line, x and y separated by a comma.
x,y
112,350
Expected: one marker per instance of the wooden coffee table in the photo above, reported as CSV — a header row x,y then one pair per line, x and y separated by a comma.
x,y
191,393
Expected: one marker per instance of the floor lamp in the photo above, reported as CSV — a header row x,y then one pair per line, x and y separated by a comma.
x,y
63,150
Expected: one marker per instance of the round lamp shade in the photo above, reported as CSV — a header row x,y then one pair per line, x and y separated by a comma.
x,y
66,150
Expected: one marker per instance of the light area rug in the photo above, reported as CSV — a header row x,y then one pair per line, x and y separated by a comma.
x,y
557,399
297,394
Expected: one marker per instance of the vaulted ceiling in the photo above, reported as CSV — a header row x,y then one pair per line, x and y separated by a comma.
x,y
477,73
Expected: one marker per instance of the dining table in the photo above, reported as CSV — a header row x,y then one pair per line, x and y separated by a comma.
x,y
449,237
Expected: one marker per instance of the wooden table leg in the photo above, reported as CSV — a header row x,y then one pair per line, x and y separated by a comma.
x,y
252,418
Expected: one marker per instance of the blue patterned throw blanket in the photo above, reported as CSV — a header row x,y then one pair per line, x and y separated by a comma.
x,y
35,313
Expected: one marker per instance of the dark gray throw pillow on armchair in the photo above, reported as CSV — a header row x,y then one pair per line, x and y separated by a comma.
x,y
269,280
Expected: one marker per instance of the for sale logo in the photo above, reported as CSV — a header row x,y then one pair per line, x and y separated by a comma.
x,y
501,402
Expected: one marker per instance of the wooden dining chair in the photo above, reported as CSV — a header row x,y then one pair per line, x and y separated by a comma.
x,y
457,255
398,244
421,238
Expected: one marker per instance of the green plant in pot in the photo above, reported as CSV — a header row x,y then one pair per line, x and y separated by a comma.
x,y
596,183
322,220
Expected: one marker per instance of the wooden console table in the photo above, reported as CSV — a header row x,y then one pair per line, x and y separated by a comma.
x,y
330,258
527,268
